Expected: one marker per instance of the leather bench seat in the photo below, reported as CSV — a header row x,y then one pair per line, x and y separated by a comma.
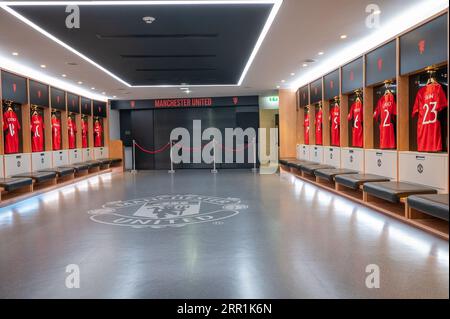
x,y
353,181
393,191
11,184
104,161
115,160
78,167
38,177
60,171
311,168
92,164
298,163
330,173
435,205
284,161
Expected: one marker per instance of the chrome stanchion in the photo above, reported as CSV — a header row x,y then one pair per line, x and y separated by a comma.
x,y
254,169
134,171
214,170
171,171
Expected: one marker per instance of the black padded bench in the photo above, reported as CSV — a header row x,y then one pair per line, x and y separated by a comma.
x,y
60,171
354,181
394,191
435,205
78,167
285,161
14,184
310,168
38,177
92,164
115,160
329,174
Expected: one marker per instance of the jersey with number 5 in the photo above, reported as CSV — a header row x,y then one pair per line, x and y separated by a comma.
x,y
430,100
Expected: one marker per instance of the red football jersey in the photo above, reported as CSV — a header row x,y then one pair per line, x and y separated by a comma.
x,y
56,133
84,133
72,128
386,111
37,131
335,117
98,130
356,113
319,115
306,128
11,127
429,101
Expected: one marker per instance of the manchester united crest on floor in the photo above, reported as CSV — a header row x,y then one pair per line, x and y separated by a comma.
x,y
167,211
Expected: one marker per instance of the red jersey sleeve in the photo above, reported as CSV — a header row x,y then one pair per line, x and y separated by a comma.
x,y
417,103
376,114
442,99
350,114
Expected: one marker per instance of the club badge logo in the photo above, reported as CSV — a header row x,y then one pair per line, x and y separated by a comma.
x,y
58,99
331,84
379,163
235,100
315,90
421,46
132,104
14,87
352,75
39,93
167,211
380,64
420,168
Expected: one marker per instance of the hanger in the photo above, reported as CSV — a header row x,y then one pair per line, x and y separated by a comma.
x,y
336,101
387,84
431,70
358,95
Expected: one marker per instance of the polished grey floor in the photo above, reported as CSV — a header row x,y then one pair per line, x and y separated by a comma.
x,y
293,241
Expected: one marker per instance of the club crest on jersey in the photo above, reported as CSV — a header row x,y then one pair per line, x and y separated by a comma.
x,y
165,211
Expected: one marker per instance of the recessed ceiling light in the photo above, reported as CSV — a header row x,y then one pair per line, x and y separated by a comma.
x,y
292,74
43,66
377,12
149,20
15,53
79,82
92,88
188,91
320,53
344,36
184,88
103,93
278,86
114,96
63,75
71,63
304,65
282,81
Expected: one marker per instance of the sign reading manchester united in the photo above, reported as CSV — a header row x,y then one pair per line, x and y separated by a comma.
x,y
184,102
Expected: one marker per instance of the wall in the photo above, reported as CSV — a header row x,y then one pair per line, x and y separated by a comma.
x,y
288,123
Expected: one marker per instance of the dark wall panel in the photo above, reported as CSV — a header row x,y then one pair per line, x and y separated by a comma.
x,y
142,130
381,64
303,96
58,99
14,88
332,85
316,91
39,93
352,76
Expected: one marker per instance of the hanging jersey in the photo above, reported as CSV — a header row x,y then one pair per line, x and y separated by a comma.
x,y
56,134
84,133
306,128
98,130
356,113
37,133
385,112
335,118
429,101
319,115
72,128
11,127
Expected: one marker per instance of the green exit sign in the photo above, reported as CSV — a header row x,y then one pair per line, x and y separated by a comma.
x,y
273,98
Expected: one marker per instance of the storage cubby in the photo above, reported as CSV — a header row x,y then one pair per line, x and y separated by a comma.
x,y
56,128
13,127
318,124
355,118
385,117
72,131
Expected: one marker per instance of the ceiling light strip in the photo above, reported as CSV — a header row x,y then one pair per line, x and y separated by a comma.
x,y
389,31
115,3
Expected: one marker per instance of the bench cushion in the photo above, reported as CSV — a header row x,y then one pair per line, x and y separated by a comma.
x,y
330,173
298,163
11,184
311,168
393,191
353,181
434,205
115,160
60,171
91,164
77,167
104,161
284,161
38,177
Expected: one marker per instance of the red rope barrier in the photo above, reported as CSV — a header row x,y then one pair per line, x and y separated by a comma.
x,y
162,149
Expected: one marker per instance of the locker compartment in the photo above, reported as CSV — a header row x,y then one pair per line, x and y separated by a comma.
x,y
2,167
60,158
75,156
87,154
100,152
41,161
352,158
316,154
424,168
17,164
381,162
304,152
332,156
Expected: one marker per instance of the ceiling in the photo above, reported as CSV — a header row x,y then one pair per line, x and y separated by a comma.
x,y
301,29
197,45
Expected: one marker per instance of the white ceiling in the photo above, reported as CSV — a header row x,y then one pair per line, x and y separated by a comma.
x,y
301,29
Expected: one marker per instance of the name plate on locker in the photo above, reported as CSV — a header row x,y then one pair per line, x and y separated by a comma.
x,y
60,158
424,168
87,154
100,152
17,164
40,161
332,156
316,154
2,173
381,162
75,156
304,152
352,158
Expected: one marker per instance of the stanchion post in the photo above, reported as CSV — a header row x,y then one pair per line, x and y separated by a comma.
x,y
134,171
214,170
171,171
254,169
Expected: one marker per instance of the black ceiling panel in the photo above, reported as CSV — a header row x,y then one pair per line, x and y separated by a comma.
x,y
193,44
